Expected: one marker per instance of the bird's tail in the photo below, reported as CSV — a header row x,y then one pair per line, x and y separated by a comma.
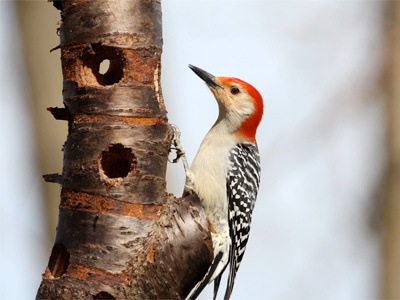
x,y
221,248
207,278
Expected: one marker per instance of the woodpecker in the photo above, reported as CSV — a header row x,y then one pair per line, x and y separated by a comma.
x,y
225,175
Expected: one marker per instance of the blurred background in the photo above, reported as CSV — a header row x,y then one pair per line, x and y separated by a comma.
x,y
327,220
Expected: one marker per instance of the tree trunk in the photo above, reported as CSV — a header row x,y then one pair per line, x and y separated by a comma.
x,y
120,234
391,272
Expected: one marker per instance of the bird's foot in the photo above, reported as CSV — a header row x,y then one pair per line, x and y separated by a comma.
x,y
180,153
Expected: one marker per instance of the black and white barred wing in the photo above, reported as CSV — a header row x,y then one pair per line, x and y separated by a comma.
x,y
243,180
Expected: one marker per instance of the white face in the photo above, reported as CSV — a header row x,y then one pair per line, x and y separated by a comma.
x,y
236,101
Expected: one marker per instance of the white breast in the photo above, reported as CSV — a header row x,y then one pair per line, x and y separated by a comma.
x,y
208,174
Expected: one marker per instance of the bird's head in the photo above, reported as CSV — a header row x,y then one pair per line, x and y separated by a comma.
x,y
239,103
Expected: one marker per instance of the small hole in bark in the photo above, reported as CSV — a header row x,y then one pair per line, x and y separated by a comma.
x,y
105,63
117,161
59,260
103,295
110,71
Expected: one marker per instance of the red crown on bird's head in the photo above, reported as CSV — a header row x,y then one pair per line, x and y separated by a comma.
x,y
249,127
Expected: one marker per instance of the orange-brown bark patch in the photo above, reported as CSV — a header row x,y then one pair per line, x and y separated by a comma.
x,y
152,254
88,202
80,118
93,274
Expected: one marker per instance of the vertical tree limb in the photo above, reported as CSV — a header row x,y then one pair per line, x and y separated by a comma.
x,y
120,234
391,259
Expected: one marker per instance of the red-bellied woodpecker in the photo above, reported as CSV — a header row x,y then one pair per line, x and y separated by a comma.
x,y
225,174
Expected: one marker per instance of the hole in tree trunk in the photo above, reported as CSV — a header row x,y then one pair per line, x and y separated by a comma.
x,y
104,295
59,260
105,63
109,72
117,161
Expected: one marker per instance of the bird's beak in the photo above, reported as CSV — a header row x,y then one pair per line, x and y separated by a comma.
x,y
207,77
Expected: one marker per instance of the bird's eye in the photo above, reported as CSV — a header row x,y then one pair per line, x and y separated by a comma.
x,y
235,91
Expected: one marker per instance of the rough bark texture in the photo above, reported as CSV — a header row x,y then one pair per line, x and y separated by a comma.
x,y
120,234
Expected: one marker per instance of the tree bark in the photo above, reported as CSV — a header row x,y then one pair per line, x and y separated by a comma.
x,y
120,234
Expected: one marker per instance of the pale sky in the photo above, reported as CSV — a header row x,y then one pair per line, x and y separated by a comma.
x,y
316,64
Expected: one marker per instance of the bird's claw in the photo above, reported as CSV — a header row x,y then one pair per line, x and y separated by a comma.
x,y
177,146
